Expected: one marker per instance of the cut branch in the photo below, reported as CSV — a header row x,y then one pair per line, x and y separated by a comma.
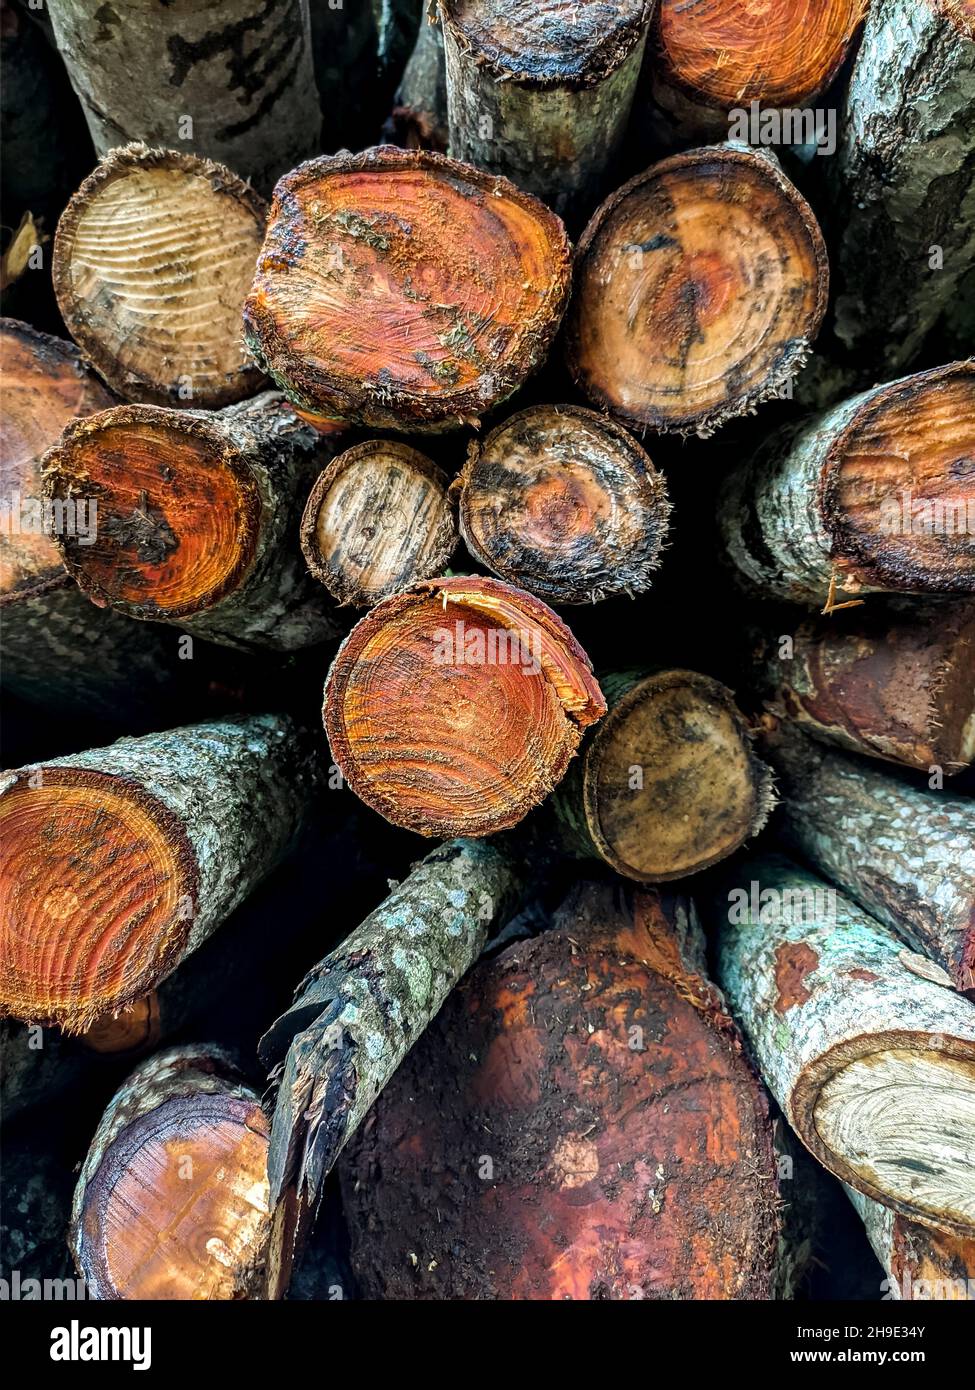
x,y
919,1263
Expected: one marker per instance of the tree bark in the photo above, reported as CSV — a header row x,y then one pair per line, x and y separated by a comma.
x,y
357,1014
199,517
866,498
700,286
445,287
231,78
122,860
455,706
564,503
171,1201
919,1263
377,520
873,1065
419,118
905,178
153,258
540,95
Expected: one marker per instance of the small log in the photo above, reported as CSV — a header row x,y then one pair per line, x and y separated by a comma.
x,y
904,179
377,520
542,93
700,286
920,1264
578,1123
234,80
564,503
171,1201
454,707
120,861
404,290
153,258
198,519
668,784
419,118
356,1015
873,1065
895,681
907,856
866,498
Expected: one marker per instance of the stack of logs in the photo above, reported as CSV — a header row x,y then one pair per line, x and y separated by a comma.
x,y
636,570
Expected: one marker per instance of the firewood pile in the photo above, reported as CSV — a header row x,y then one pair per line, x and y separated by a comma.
x,y
488,649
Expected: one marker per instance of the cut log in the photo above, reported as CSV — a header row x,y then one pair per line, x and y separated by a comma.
x,y
454,707
700,286
905,179
542,92
668,784
231,78
357,1014
895,681
419,118
377,521
153,258
919,1263
171,1201
905,855
402,289
873,1065
120,861
578,1123
564,503
874,496
198,519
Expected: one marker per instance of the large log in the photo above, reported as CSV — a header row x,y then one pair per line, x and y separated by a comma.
x,y
578,1123
402,289
231,78
455,706
153,258
866,498
171,1200
564,503
700,286
873,1064
120,861
919,1263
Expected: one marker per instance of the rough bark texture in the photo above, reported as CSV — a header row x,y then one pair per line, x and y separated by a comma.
x,y
357,1014
122,860
239,70
152,261
920,1264
907,856
873,1064
419,118
577,1124
868,497
198,519
906,178
700,286
564,503
895,682
542,93
171,1200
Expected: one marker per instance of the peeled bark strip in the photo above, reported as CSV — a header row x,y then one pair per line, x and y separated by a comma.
x,y
919,1263
564,503
906,178
578,1123
120,861
895,682
873,1065
541,91
401,289
874,496
419,118
153,258
171,1201
198,519
700,286
907,856
232,78
668,785
377,520
454,707
357,1014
